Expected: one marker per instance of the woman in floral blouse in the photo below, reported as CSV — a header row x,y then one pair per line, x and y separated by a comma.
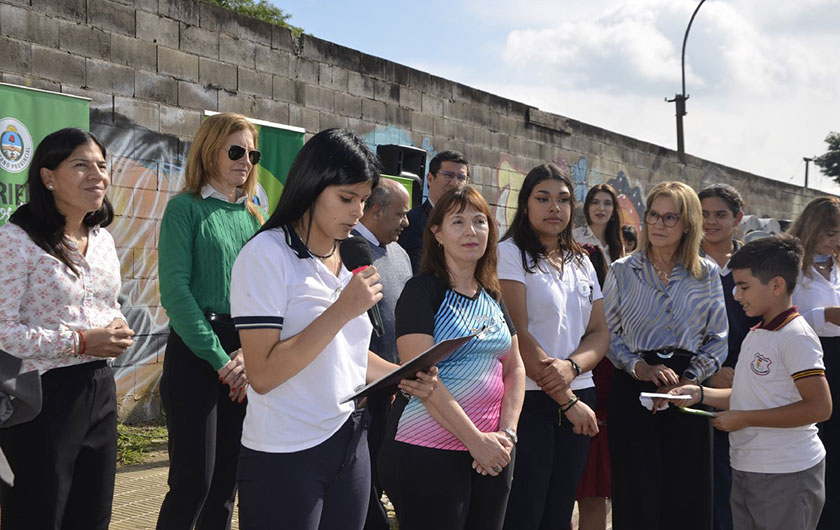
x,y
59,314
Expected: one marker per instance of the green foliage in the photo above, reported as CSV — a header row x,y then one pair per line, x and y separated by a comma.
x,y
260,9
829,163
135,442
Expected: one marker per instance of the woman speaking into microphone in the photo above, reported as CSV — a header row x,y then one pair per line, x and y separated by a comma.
x,y
304,461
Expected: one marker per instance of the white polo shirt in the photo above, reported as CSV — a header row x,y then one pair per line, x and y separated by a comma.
x,y
559,304
772,359
813,294
276,283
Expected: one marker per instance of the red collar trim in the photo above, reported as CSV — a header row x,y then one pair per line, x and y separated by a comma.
x,y
780,321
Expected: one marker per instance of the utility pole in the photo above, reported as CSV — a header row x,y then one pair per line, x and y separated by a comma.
x,y
807,161
680,99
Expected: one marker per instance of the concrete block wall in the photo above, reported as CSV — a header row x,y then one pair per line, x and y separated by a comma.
x,y
151,67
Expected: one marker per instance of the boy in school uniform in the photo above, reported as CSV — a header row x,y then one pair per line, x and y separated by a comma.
x,y
778,395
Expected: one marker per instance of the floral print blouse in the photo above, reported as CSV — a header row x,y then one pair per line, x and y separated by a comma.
x,y
43,302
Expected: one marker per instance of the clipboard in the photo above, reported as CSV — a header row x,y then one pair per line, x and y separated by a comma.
x,y
387,384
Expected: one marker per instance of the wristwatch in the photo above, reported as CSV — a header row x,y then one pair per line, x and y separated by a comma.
x,y
511,434
689,376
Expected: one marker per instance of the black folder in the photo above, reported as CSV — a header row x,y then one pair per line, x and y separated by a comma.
x,y
387,384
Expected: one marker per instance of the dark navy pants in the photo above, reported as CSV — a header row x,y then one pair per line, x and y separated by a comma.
x,y
549,466
326,487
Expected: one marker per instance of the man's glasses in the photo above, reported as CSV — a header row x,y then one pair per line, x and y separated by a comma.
x,y
451,175
668,219
237,151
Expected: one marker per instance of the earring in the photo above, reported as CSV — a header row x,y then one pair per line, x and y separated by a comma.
x,y
50,187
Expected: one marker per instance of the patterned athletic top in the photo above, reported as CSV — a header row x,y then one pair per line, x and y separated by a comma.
x,y
472,374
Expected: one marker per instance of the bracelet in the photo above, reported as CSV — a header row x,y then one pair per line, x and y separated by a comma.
x,y
702,395
568,405
75,344
82,343
511,435
575,365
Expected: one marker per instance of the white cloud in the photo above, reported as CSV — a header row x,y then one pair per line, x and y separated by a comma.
x,y
763,80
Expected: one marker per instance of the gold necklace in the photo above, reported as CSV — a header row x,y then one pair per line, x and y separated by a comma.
x,y
664,277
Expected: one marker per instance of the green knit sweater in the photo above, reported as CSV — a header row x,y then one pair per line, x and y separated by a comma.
x,y
199,241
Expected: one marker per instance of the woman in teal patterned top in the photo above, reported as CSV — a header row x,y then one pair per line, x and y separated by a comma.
x,y
204,381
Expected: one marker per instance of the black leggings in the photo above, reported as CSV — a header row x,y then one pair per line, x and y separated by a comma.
x,y
65,459
437,488
205,428
830,435
326,487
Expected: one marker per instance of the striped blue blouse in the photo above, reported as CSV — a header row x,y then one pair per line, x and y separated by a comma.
x,y
645,314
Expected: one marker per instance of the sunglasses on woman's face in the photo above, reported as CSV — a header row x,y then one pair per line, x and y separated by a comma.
x,y
237,151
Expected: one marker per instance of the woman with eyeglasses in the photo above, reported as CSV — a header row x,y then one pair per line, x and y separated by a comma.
x,y
554,296
59,314
667,319
817,295
204,381
448,462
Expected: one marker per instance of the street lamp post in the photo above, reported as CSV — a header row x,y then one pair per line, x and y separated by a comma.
x,y
680,99
807,161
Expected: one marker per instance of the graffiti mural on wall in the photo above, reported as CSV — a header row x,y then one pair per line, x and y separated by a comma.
x,y
147,168
509,181
630,200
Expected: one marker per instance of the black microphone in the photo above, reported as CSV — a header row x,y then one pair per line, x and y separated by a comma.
x,y
355,253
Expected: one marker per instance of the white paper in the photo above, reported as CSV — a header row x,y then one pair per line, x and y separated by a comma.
x,y
654,395
646,399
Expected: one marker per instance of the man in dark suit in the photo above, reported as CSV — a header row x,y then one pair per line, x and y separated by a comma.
x,y
447,170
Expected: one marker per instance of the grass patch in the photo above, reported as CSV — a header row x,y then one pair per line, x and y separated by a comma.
x,y
135,442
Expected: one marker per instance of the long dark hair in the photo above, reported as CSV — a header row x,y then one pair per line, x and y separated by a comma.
x,y
523,233
615,240
333,157
40,217
434,261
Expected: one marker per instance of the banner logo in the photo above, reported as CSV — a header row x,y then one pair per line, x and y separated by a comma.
x,y
15,145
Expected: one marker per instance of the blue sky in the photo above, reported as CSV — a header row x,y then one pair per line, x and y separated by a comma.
x,y
762,76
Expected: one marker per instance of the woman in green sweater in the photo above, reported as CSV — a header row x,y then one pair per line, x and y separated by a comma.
x,y
204,381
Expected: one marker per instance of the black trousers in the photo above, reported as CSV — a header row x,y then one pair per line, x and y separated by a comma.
x,y
205,428
830,435
437,488
661,463
549,466
722,513
377,407
325,487
65,459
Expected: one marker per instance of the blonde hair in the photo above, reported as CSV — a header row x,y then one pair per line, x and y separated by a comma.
x,y
688,206
201,161
819,216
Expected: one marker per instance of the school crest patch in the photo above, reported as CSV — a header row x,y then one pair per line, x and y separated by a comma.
x,y
760,364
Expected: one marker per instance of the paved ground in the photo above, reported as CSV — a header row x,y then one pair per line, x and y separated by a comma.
x,y
139,493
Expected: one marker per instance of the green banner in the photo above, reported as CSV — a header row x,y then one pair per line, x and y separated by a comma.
x,y
278,146
26,116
